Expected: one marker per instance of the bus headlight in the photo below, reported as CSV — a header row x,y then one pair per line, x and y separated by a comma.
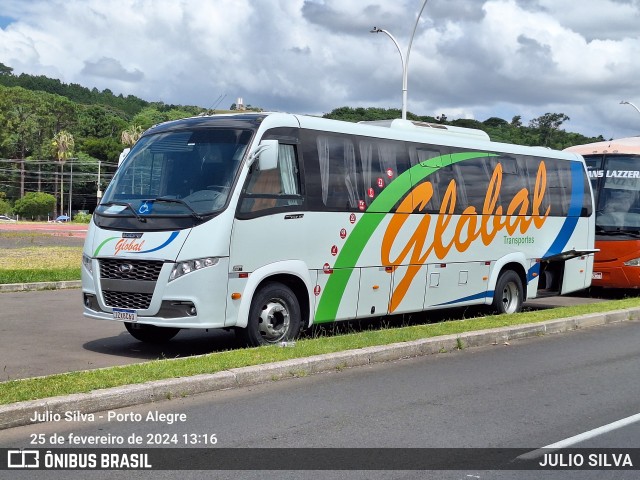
x,y
86,262
633,263
183,268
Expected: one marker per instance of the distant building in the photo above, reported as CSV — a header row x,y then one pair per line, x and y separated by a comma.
x,y
240,104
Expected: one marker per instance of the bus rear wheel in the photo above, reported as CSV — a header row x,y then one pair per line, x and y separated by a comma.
x,y
508,295
150,333
274,316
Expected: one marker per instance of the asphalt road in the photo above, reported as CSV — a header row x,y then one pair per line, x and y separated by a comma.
x,y
530,394
44,332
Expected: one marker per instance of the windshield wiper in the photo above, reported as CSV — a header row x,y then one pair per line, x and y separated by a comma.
x,y
617,231
177,200
129,206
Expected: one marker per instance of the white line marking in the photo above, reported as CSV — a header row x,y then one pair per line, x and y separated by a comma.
x,y
568,442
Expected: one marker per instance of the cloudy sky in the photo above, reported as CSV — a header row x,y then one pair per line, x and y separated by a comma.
x,y
469,59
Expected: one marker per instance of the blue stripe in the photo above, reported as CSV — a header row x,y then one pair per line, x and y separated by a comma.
x,y
476,296
575,208
171,238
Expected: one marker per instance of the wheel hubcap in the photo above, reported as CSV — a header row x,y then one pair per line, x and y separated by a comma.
x,y
510,298
274,321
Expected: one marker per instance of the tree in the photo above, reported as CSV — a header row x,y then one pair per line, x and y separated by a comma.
x,y
546,125
150,116
4,70
105,149
98,121
349,114
131,135
64,144
5,207
495,122
35,205
467,123
20,110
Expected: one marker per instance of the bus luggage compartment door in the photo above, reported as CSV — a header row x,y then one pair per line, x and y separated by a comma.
x,y
565,272
456,283
375,287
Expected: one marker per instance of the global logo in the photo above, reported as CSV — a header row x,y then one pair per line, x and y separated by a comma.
x,y
124,245
133,245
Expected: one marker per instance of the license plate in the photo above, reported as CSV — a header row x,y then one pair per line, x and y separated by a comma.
x,y
596,276
125,315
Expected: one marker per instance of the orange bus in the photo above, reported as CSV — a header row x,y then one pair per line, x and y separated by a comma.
x,y
614,170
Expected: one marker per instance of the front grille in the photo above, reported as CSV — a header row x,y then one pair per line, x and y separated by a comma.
x,y
123,269
128,283
135,301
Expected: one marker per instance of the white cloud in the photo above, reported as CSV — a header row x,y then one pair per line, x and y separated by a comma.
x,y
110,68
470,58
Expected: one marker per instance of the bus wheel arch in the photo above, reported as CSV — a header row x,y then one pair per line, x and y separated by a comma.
x,y
510,290
278,311
292,273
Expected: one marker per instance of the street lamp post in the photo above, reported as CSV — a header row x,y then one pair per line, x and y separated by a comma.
x,y
403,58
62,189
624,102
404,69
70,186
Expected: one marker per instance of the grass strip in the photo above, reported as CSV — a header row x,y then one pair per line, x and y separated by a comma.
x,y
40,264
86,381
37,275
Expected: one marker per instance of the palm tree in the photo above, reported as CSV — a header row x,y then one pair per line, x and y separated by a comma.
x,y
64,144
131,135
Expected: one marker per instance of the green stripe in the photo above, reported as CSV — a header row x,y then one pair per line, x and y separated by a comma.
x,y
364,229
95,254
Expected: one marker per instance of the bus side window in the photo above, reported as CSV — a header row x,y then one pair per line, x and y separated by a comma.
x,y
264,183
472,178
438,158
382,162
276,188
532,165
514,181
338,172
559,186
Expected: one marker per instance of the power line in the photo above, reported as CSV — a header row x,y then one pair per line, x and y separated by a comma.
x,y
56,163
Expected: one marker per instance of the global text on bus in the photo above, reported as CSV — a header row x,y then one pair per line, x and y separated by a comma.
x,y
269,223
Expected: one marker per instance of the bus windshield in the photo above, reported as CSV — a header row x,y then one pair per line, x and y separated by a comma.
x,y
177,173
616,179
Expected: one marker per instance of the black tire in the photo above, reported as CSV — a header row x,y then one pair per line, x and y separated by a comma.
x,y
508,296
274,316
150,333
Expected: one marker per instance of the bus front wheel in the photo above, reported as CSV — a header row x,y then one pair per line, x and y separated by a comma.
x,y
508,294
274,316
150,333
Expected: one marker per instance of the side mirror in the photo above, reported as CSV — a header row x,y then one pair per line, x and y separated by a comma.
x,y
267,155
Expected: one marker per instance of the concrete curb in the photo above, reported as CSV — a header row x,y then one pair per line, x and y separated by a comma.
x,y
29,287
18,414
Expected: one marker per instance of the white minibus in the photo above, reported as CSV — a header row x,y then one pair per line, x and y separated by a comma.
x,y
268,223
